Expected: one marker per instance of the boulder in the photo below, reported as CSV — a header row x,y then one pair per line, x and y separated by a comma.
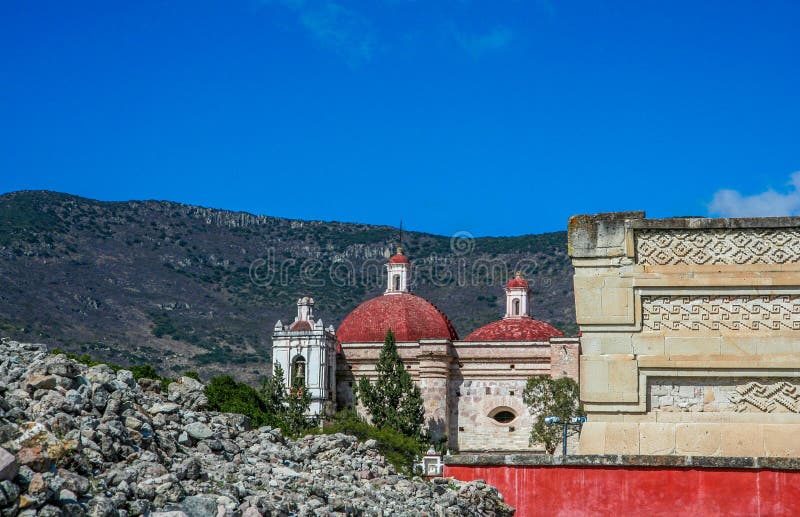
x,y
8,465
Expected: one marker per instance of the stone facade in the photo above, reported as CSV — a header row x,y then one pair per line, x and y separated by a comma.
x,y
465,383
690,334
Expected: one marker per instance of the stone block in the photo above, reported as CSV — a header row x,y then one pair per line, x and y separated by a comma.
x,y
647,344
617,302
588,305
656,438
742,440
623,376
621,438
697,439
592,440
781,440
594,377
739,344
692,345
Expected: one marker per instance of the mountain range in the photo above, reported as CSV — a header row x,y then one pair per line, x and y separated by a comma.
x,y
191,288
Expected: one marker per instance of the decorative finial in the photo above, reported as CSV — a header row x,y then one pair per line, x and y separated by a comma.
x,y
400,244
399,250
519,274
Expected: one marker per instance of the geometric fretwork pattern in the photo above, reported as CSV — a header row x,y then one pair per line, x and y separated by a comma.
x,y
714,312
718,246
766,397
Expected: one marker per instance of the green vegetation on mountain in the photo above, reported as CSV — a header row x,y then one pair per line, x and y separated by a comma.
x,y
185,287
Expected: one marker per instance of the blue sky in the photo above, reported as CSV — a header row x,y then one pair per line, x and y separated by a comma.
x,y
496,118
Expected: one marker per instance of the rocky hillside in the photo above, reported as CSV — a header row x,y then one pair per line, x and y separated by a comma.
x,y
80,441
184,287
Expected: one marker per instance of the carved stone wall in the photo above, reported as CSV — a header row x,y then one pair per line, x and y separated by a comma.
x,y
732,395
666,247
764,313
690,334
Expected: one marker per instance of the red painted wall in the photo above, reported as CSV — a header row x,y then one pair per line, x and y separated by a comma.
x,y
629,491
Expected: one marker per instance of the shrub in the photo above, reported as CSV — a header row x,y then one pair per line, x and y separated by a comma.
x,y
228,396
398,449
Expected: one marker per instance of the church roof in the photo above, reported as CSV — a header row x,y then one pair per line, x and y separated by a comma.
x,y
515,329
301,325
410,317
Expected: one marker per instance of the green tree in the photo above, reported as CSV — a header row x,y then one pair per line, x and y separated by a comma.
x,y
273,392
551,397
297,404
394,400
227,395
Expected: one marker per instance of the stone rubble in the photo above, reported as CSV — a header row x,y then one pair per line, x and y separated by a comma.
x,y
88,441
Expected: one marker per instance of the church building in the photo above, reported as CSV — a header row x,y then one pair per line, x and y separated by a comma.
x,y
471,388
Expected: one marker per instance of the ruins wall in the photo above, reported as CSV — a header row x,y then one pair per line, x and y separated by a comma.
x,y
690,334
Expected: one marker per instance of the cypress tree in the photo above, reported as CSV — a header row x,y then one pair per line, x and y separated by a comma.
x,y
273,393
393,400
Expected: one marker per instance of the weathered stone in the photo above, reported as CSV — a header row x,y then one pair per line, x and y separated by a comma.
x,y
40,382
164,407
198,431
8,465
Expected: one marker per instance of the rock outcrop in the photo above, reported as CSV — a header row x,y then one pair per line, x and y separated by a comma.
x,y
80,440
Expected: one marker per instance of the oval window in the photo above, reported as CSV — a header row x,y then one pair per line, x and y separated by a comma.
x,y
503,415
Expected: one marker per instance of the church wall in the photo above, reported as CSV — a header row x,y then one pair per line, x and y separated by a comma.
x,y
471,427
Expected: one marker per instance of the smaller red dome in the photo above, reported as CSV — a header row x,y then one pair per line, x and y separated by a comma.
x,y
517,281
515,329
399,258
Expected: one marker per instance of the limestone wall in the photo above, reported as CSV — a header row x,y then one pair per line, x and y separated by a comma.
x,y
690,334
464,384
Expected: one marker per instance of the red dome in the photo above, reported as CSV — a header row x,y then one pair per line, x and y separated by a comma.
x,y
410,317
517,281
399,259
515,329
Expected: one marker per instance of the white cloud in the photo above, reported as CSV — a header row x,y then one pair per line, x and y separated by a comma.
x,y
731,203
337,27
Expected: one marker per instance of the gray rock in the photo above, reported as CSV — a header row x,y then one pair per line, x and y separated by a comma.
x,y
100,506
8,465
198,431
164,407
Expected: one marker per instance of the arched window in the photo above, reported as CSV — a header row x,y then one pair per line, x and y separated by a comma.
x,y
298,369
396,282
503,415
516,306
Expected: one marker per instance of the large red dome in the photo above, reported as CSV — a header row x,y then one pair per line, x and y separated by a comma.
x,y
410,317
515,329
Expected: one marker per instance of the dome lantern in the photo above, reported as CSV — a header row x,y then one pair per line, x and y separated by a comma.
x,y
397,273
517,294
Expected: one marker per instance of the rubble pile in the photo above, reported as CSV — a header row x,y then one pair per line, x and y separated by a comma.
x,y
78,440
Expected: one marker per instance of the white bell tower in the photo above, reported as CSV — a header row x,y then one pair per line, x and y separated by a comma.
x,y
307,350
397,273
517,294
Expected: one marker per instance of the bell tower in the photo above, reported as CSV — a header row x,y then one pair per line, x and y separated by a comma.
x,y
517,294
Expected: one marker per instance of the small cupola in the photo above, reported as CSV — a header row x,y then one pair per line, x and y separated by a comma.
x,y
397,273
517,295
305,314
